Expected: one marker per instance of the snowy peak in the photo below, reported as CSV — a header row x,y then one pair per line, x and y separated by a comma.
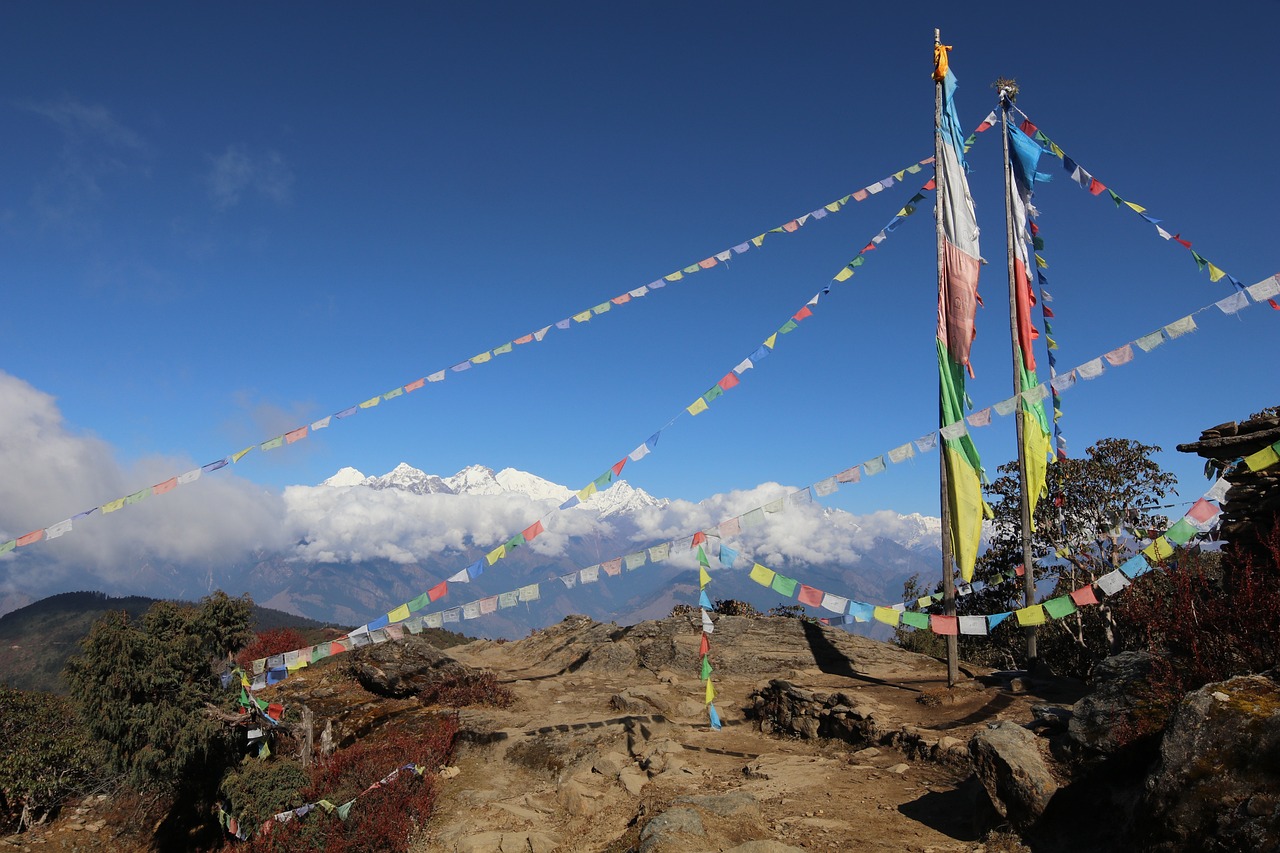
x,y
474,480
345,477
406,478
532,485
622,497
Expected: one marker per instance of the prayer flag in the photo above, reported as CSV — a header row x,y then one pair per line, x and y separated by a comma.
x,y
973,625
762,575
1084,596
1059,607
887,615
947,626
810,596
784,585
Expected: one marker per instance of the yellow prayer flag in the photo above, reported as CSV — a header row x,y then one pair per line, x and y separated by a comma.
x,y
898,175
1158,550
1264,458
834,207
924,601
582,316
762,575
112,506
481,358
887,615
844,274
758,240
1042,263
236,457
711,692
703,578
1057,152
400,614
1033,615
587,492
771,340
1215,274
675,276
699,406
496,554
371,402
1137,208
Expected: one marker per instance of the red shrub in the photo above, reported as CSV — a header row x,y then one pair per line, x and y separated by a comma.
x,y
1207,618
273,641
381,819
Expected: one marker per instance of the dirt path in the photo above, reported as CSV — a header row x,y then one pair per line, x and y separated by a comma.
x,y
585,759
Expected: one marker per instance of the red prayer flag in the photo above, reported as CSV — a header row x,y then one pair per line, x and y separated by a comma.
x,y
531,531
810,596
945,625
802,313
730,380
704,647
1097,187
985,126
1021,570
707,264
1177,238
1202,511
617,466
621,300
1084,596
1273,304
523,340
870,247
438,591
415,385
167,486
275,710
791,226
32,537
336,648
1028,128
698,538
295,435
613,568
932,185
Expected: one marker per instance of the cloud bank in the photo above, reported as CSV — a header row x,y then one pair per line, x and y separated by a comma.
x,y
52,472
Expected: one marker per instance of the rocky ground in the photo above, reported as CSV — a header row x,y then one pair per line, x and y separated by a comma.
x,y
607,747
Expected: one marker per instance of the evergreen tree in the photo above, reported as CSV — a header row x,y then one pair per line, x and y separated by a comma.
x,y
142,687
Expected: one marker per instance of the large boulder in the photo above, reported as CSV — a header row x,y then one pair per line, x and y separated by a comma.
x,y
1008,762
695,822
1115,712
403,668
1217,786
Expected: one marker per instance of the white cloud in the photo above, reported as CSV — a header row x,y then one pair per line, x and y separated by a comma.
x,y
51,472
238,171
95,146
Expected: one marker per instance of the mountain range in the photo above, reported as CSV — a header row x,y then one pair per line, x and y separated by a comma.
x,y
354,546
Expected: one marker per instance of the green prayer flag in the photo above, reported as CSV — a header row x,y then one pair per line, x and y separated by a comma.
x,y
1119,201
1201,263
714,392
1060,606
345,809
787,326
706,667
915,620
1180,533
420,602
273,443
783,585
515,541
702,557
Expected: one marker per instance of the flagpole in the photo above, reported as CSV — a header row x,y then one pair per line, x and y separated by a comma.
x,y
948,582
1007,92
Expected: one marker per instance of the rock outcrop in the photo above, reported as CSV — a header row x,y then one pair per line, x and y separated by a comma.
x,y
1109,716
401,669
1217,787
1008,762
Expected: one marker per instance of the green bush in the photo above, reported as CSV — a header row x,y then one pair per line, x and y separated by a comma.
x,y
48,756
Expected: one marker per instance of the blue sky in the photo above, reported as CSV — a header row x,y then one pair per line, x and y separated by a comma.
x,y
219,223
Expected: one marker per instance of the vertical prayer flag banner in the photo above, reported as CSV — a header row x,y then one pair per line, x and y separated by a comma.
x,y
957,307
1024,157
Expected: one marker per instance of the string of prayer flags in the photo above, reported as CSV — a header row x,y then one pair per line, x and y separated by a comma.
x,y
297,434
1088,182
708,627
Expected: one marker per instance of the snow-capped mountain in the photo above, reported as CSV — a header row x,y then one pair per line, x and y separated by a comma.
x,y
620,497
